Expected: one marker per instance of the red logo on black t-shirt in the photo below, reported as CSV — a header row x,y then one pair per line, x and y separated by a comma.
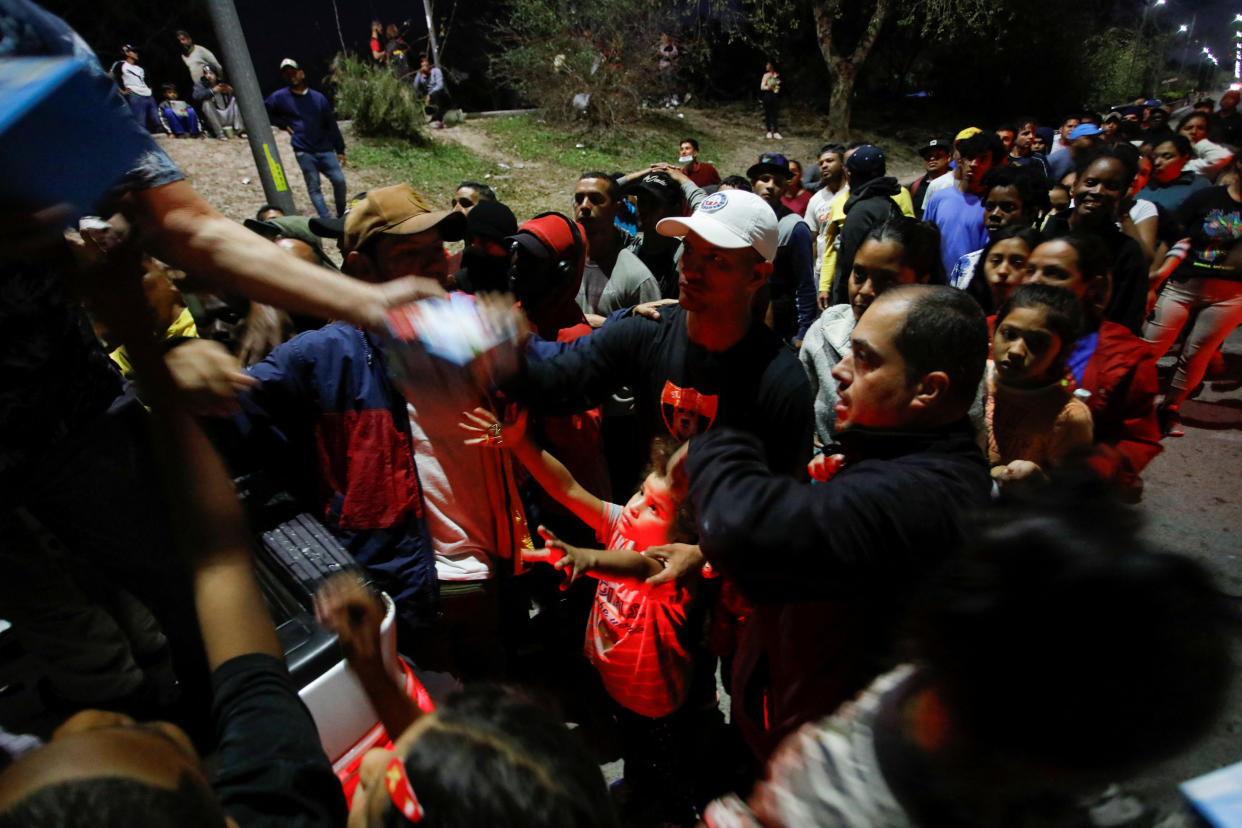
x,y
686,411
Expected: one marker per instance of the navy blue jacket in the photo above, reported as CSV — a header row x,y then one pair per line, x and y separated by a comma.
x,y
332,422
311,118
831,567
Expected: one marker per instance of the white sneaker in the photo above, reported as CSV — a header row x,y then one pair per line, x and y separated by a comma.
x,y
769,136
776,135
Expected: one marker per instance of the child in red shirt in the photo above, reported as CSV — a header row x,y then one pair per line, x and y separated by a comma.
x,y
637,636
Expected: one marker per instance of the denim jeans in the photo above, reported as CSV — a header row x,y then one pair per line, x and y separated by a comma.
x,y
314,163
1217,308
145,113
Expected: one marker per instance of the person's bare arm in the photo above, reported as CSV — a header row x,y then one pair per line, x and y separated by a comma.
x,y
485,430
617,565
186,231
345,606
210,524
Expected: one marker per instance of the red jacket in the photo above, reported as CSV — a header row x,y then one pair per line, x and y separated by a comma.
x,y
1121,376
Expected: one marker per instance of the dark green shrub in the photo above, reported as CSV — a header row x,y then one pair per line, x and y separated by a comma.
x,y
379,105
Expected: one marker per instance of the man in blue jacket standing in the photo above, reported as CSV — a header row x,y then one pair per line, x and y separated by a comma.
x,y
317,143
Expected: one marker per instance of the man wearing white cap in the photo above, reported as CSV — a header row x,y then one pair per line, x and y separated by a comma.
x,y
706,362
317,143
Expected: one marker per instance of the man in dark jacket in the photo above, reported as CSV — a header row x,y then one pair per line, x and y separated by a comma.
x,y
832,567
870,204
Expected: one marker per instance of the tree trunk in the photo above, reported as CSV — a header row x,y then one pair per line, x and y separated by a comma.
x,y
844,68
840,104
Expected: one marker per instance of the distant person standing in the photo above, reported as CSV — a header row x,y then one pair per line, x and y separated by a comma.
x,y
317,143
196,57
132,79
378,55
769,90
429,81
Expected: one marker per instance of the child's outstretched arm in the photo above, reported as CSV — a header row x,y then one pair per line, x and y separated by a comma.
x,y
486,430
619,565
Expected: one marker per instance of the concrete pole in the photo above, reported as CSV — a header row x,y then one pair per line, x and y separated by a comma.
x,y
250,99
431,34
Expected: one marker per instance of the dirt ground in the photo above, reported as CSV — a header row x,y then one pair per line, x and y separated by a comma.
x,y
224,172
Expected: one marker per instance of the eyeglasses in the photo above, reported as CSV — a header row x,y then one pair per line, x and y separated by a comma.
x,y
464,203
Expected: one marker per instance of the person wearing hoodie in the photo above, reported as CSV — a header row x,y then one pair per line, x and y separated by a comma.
x,y
869,204
958,211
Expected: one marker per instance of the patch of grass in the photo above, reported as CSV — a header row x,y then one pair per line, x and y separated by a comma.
x,y
435,169
654,138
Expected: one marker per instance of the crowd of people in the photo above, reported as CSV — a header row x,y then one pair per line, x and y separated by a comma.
x,y
857,448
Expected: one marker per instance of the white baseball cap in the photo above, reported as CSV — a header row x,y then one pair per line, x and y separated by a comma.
x,y
289,63
732,219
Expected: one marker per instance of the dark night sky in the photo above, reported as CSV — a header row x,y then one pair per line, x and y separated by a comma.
x,y
1213,21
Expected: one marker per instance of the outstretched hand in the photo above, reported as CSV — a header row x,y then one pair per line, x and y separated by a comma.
x,y
571,560
485,429
651,310
209,377
346,606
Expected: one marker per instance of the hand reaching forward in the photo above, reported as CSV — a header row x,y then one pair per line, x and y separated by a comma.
x,y
571,560
346,606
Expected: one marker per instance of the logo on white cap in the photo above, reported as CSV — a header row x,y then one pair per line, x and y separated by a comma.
x,y
714,202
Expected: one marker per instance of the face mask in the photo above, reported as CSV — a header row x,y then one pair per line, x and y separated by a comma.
x,y
487,273
685,159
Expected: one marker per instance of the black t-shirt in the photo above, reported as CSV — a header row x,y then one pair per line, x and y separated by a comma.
x,y
681,388
1213,222
271,769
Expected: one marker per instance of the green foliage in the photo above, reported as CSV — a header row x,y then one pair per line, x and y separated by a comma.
x,y
379,105
1122,65
433,170
593,63
654,138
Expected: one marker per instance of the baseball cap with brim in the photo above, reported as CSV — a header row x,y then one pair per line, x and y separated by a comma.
x,y
1112,116
769,162
289,63
491,220
732,220
1085,131
398,210
658,185
291,227
935,144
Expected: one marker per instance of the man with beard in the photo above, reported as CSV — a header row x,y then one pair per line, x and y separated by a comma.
x,y
196,56
614,277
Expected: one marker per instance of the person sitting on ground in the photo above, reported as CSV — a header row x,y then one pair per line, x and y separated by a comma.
x,y
1034,421
269,769
1171,183
487,755
1002,265
1210,159
700,172
637,637
901,251
429,82
977,729
1109,363
831,567
219,104
176,116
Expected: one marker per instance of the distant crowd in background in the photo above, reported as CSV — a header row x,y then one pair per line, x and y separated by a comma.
x,y
852,451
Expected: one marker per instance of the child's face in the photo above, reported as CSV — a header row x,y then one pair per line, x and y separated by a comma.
x,y
649,514
1024,349
170,94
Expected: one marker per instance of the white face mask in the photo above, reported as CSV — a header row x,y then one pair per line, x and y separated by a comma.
x,y
685,159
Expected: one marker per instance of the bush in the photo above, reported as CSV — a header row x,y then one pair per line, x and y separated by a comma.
x,y
379,105
583,62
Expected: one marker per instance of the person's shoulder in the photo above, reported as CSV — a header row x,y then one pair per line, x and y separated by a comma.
x,y
1118,344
